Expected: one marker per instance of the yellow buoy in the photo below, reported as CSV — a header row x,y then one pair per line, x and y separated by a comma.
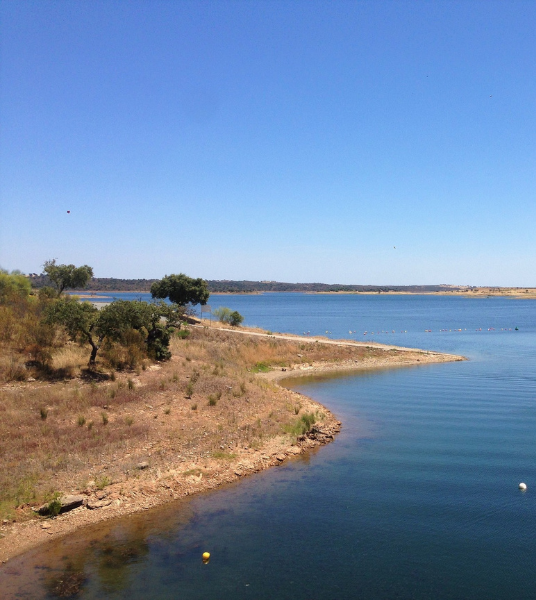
x,y
206,555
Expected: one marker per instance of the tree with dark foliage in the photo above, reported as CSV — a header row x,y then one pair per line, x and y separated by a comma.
x,y
181,289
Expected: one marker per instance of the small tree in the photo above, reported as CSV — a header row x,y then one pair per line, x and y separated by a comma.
x,y
67,276
80,319
235,319
181,289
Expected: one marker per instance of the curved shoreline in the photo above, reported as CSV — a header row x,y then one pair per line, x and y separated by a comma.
x,y
163,486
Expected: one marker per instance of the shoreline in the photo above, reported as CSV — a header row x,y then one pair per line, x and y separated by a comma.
x,y
155,486
482,292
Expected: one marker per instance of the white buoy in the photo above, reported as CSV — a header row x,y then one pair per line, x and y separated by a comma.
x,y
522,486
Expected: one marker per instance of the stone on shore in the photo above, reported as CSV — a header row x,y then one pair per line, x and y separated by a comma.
x,y
67,503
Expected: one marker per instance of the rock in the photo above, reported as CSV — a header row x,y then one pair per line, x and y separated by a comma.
x,y
94,504
280,457
46,526
143,465
67,503
71,501
101,494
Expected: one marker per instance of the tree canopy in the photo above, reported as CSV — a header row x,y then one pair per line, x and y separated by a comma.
x,y
181,289
67,276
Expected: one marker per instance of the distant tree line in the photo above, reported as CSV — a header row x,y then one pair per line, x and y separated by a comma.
x,y
111,284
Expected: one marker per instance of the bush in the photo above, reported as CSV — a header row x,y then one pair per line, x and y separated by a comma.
x,y
235,319
223,314
226,315
54,507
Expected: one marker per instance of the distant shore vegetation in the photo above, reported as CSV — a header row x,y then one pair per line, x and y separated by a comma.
x,y
215,286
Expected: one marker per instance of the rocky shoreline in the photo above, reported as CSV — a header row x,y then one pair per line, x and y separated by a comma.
x,y
157,487
153,484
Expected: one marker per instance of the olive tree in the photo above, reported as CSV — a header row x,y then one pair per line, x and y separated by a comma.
x,y
80,319
67,276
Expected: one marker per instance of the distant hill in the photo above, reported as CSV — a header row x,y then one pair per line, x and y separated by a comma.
x,y
112,284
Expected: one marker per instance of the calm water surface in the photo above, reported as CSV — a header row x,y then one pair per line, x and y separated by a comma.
x,y
417,498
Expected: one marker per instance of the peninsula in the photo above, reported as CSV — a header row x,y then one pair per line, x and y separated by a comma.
x,y
131,440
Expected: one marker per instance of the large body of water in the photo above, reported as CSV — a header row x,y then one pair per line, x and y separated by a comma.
x,y
416,499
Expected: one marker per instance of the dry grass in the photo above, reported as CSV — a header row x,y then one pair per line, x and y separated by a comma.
x,y
58,436
70,357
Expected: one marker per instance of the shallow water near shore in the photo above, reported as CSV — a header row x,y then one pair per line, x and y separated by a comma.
x,y
416,499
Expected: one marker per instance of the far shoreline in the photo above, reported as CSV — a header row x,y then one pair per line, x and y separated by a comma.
x,y
477,293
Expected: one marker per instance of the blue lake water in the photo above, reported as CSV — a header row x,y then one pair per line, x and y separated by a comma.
x,y
416,499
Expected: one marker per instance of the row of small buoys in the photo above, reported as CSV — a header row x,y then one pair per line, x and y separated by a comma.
x,y
523,487
351,332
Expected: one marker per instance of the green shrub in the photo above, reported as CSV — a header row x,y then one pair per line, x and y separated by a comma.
x,y
226,315
54,507
301,425
81,420
235,319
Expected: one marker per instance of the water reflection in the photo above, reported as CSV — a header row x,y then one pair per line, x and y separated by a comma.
x,y
99,560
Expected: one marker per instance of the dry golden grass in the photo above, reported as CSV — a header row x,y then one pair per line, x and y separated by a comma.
x,y
60,435
205,403
71,356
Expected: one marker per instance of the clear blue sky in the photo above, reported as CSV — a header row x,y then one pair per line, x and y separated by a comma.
x,y
285,140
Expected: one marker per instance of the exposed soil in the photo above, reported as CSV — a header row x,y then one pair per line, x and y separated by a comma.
x,y
206,418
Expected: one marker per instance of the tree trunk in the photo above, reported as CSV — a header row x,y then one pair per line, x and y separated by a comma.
x,y
94,349
93,357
